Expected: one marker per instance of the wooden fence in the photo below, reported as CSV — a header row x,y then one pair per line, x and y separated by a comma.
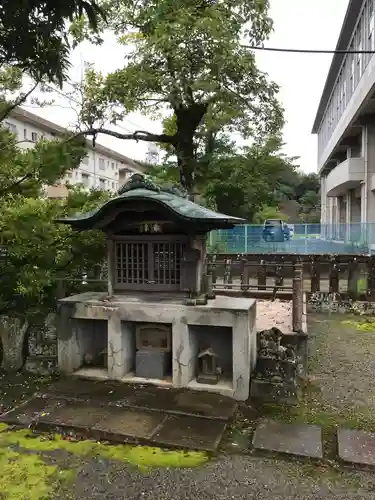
x,y
351,276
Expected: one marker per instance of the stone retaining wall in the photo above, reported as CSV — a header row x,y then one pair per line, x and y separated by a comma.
x,y
28,345
334,303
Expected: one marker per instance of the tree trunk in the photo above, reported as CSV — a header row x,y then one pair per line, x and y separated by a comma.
x,y
12,335
186,161
187,121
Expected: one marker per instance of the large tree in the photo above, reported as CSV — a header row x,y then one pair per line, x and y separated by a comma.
x,y
232,180
186,59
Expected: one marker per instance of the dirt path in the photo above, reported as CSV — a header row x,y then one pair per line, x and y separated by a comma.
x,y
341,391
235,478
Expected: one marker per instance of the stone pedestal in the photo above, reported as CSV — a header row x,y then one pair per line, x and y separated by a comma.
x,y
122,313
152,363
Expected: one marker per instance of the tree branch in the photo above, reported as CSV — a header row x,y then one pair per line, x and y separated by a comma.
x,y
18,102
138,135
9,188
18,142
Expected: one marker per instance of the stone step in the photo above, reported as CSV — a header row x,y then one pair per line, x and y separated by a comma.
x,y
294,439
356,446
118,425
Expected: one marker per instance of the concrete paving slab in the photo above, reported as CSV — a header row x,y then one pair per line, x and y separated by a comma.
x,y
190,432
355,446
130,423
28,412
114,424
80,388
148,397
189,403
302,440
74,415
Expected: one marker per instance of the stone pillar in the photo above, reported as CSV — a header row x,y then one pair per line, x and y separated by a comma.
x,y
253,337
69,352
183,354
121,355
199,243
243,357
297,304
110,265
12,335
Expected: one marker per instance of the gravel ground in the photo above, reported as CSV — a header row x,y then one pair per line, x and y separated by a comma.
x,y
277,313
236,477
342,370
342,362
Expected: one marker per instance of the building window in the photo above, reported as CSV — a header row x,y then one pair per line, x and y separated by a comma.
x,y
352,73
86,180
25,133
371,20
11,127
102,183
85,160
359,63
34,136
101,164
113,165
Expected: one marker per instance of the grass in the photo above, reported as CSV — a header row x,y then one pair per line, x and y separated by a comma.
x,y
361,326
26,473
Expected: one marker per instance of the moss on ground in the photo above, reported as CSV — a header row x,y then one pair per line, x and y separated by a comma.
x,y
361,326
26,474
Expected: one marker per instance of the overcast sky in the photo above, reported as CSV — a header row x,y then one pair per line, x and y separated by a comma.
x,y
309,24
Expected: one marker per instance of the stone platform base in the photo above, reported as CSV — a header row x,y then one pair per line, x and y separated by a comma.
x,y
122,414
89,324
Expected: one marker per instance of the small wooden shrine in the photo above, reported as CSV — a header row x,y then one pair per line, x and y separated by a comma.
x,y
156,239
157,323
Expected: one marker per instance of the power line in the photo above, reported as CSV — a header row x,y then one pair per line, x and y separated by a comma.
x,y
308,51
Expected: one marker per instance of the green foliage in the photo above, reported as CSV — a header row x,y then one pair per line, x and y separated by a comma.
x,y
267,212
251,182
34,34
36,251
308,196
187,62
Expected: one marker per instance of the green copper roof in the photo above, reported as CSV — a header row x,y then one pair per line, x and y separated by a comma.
x,y
140,189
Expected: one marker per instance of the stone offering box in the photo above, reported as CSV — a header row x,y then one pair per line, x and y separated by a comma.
x,y
160,314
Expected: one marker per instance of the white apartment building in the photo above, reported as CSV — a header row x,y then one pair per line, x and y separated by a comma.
x,y
101,168
345,125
